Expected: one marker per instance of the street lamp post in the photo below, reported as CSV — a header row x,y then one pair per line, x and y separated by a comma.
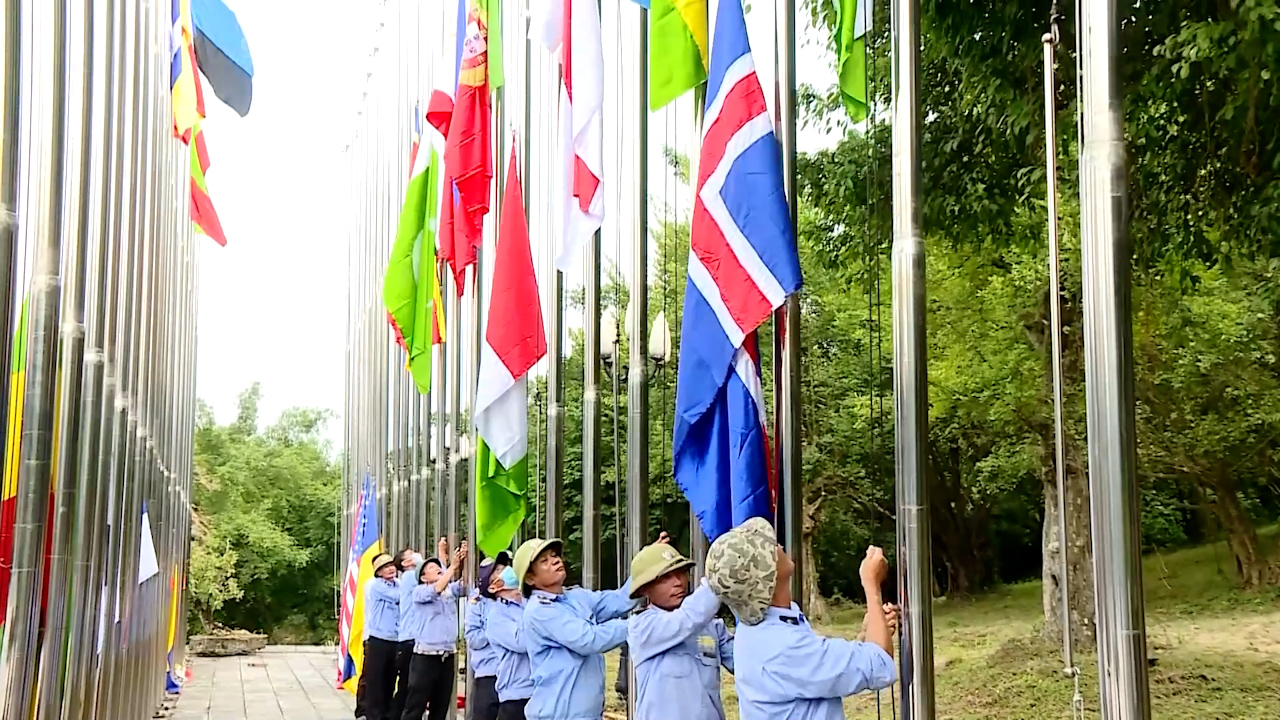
x,y
615,364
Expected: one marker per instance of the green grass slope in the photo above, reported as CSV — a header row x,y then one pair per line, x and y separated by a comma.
x,y
1216,650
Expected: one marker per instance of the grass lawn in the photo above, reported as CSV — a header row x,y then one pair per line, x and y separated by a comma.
x,y
1216,650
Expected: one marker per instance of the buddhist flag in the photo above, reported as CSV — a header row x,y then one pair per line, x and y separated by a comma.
x,y
184,81
677,49
410,289
203,217
514,341
851,55
572,27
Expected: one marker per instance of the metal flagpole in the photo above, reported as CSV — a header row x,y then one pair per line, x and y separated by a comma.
x,y
78,51
638,321
787,324
591,417
553,503
910,373
1050,40
125,689
111,689
10,162
86,575
95,461
43,125
1108,360
526,91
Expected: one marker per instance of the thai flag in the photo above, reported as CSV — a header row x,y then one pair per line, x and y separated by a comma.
x,y
742,266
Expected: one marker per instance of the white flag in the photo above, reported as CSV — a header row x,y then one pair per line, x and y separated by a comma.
x,y
573,28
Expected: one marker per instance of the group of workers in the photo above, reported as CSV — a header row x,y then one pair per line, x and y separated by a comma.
x,y
536,648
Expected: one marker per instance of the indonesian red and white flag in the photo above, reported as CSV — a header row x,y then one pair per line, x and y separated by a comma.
x,y
572,27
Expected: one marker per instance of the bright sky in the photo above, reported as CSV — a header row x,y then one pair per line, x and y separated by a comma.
x,y
273,302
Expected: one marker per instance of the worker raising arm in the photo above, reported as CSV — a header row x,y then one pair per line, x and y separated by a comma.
x,y
566,631
783,669
676,643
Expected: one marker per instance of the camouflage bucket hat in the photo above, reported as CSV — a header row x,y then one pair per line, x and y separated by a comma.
x,y
742,568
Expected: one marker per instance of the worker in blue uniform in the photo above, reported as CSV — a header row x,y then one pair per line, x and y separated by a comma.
x,y
482,657
783,669
677,644
504,627
406,563
382,632
566,632
434,616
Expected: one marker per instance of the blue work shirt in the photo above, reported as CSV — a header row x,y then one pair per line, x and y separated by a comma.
x,y
785,671
407,582
381,609
481,656
678,654
435,618
565,636
503,624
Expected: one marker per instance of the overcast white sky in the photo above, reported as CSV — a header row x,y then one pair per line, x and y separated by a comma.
x,y
273,302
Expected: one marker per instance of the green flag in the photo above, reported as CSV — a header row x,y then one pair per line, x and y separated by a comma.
x,y
851,55
500,506
493,41
677,49
410,289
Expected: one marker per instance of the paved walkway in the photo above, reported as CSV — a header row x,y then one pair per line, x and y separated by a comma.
x,y
278,683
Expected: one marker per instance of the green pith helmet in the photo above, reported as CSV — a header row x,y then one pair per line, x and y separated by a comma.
x,y
654,561
527,553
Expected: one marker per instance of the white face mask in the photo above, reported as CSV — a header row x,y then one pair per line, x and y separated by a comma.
x,y
417,558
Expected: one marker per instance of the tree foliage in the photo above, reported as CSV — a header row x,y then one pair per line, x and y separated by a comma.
x,y
266,500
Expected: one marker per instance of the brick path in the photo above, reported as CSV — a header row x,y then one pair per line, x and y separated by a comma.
x,y
278,683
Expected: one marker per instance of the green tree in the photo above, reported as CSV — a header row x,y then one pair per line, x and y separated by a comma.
x,y
266,502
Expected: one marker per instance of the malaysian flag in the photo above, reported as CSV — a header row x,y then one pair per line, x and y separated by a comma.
x,y
742,266
365,544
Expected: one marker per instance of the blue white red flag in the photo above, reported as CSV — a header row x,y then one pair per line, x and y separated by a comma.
x,y
742,266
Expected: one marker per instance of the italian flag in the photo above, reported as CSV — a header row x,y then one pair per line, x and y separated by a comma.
x,y
411,289
514,341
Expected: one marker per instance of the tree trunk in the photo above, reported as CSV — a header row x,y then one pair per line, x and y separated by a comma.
x,y
959,530
1079,579
815,607
1079,544
1253,567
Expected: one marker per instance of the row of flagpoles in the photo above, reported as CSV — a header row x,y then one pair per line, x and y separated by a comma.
x,y
450,308
102,181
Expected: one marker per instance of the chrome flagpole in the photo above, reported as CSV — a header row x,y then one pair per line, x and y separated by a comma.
x,y
910,373
43,123
638,320
1108,361
787,324
78,166
86,574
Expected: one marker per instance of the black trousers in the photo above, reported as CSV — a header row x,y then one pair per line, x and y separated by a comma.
x,y
512,710
404,653
361,683
431,687
379,676
484,706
